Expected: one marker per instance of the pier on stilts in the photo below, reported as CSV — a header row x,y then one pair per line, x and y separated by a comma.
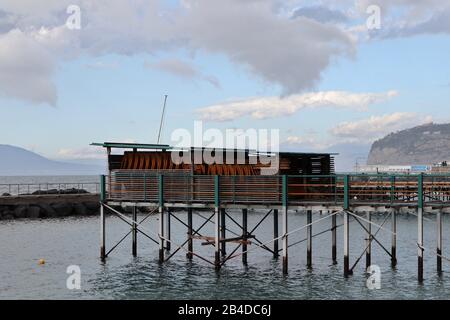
x,y
166,190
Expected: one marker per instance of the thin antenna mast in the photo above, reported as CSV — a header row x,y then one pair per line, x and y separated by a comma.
x,y
162,119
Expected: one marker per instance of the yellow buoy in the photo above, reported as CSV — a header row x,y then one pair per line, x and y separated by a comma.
x,y
41,261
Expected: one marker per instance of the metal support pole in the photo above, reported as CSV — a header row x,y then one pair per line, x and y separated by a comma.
x,y
439,242
275,234
217,222
309,237
244,235
161,218
420,245
223,230
369,240
346,245
134,232
102,218
334,238
102,233
394,239
285,225
189,255
346,226
168,231
420,230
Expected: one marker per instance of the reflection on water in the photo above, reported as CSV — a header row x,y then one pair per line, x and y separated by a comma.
x,y
74,241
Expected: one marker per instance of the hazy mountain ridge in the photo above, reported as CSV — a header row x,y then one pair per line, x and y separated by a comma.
x,y
15,161
423,145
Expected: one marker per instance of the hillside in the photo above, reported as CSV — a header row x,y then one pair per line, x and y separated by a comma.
x,y
426,144
15,161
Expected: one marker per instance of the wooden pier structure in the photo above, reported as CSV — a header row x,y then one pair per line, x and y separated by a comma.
x,y
303,182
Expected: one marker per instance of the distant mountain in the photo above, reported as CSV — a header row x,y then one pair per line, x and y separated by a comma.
x,y
15,161
423,145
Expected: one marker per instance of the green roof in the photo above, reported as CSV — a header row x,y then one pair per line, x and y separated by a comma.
x,y
122,145
152,146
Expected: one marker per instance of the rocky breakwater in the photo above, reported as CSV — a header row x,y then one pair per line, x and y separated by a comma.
x,y
49,204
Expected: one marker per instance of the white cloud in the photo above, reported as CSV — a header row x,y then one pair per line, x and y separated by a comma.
x,y
271,107
26,68
358,133
309,142
88,153
35,39
290,53
377,127
182,69
261,36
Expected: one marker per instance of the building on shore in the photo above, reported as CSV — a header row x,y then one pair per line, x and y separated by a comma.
x,y
441,167
393,169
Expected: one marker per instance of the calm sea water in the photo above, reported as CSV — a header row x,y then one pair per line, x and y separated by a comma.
x,y
75,241
72,241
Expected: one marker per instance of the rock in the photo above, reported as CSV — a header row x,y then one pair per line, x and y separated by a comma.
x,y
8,216
127,209
63,209
74,191
55,191
7,212
43,192
80,209
93,212
92,206
33,212
20,211
47,211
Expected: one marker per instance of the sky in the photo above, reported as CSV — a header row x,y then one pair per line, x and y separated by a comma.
x,y
330,75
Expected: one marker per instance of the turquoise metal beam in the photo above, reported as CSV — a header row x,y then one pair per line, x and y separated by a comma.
x,y
123,145
346,192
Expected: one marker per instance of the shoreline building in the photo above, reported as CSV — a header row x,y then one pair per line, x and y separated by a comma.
x,y
393,169
437,168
